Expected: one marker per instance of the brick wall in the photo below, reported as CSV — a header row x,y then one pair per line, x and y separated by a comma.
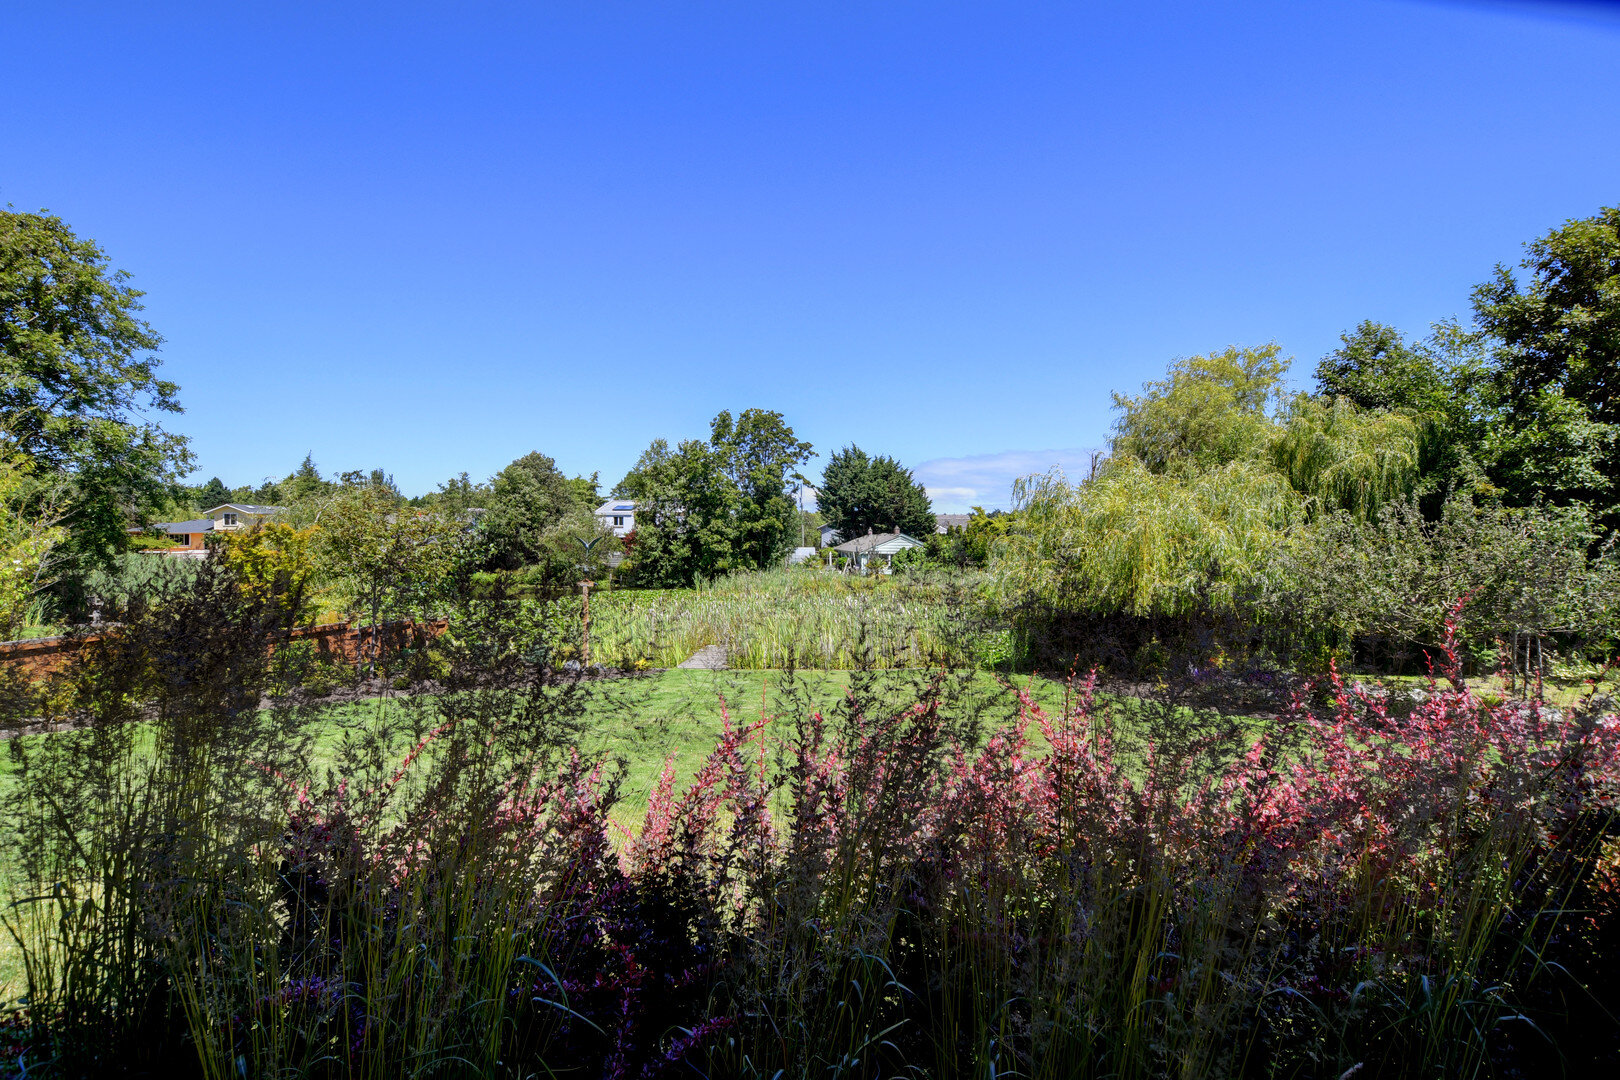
x,y
341,641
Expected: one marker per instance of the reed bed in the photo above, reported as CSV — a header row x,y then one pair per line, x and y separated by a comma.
x,y
800,618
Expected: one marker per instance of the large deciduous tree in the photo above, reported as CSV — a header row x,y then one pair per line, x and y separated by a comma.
x,y
1441,385
1376,367
860,493
78,380
709,507
757,452
1558,366
1208,411
528,501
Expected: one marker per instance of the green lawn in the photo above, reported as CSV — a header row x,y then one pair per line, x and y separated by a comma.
x,y
678,713
642,721
645,719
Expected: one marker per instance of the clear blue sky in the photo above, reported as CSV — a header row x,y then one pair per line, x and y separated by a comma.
x,y
435,238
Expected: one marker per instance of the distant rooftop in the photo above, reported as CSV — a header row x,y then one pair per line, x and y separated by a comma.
x,y
871,540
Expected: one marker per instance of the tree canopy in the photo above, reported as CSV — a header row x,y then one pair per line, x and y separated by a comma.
x,y
715,505
1208,411
1557,365
860,493
529,501
213,493
1212,470
78,376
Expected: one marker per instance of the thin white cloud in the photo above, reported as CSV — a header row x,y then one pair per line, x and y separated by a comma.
x,y
955,485
810,494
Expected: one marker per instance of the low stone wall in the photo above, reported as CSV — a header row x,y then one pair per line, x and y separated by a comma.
x,y
39,657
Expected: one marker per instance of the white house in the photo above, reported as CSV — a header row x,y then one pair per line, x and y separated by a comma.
x,y
865,549
619,515
943,523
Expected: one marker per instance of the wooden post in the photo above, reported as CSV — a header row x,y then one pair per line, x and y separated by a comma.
x,y
585,642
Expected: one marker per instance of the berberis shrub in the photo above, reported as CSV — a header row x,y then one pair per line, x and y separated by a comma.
x,y
1365,890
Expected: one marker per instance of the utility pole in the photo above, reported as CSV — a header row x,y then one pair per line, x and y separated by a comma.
x,y
802,482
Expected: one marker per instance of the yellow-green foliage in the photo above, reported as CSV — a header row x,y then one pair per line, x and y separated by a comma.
x,y
274,560
25,542
1347,458
1208,411
1143,542
772,619
1207,482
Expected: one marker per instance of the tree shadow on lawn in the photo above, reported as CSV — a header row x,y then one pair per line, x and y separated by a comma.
x,y
677,714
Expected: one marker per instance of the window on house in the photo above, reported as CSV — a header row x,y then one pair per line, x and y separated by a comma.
x,y
618,520
230,519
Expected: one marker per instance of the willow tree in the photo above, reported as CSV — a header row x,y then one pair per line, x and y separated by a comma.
x,y
1340,457
1209,410
1142,543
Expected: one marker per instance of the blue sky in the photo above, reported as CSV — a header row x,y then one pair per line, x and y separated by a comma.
x,y
433,238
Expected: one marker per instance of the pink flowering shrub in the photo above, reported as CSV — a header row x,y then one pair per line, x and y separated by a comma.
x,y
1422,890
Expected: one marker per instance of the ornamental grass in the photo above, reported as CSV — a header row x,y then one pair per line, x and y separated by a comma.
x,y
866,893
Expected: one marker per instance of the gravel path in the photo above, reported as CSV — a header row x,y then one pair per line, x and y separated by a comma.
x,y
709,658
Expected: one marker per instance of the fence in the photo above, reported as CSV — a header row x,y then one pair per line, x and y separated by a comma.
x,y
342,641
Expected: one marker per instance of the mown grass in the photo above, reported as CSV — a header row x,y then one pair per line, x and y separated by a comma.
x,y
677,713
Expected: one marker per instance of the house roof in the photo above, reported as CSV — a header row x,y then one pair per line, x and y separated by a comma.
x,y
617,506
951,521
871,542
246,508
195,526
